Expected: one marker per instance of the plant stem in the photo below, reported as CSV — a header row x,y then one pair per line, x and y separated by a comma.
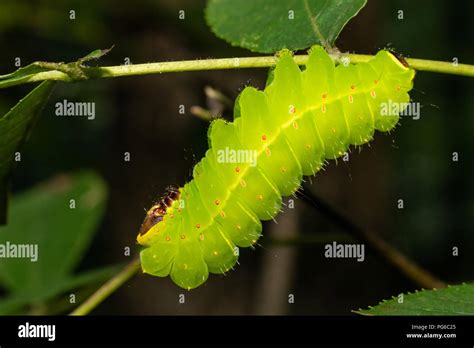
x,y
257,62
108,288
441,67
211,64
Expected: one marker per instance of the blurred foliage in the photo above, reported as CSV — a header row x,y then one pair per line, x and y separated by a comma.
x,y
60,217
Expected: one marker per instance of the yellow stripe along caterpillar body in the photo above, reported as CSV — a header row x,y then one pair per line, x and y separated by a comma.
x,y
302,118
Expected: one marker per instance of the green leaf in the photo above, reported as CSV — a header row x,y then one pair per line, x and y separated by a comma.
x,y
94,55
15,126
60,217
453,300
22,75
16,303
12,305
268,26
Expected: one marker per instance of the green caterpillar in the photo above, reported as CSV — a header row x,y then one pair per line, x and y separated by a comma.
x,y
278,135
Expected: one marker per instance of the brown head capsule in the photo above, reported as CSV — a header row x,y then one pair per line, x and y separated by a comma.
x,y
155,214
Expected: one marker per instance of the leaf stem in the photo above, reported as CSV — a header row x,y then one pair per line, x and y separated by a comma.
x,y
212,64
108,288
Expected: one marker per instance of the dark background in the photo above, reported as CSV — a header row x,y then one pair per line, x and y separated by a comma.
x,y
140,115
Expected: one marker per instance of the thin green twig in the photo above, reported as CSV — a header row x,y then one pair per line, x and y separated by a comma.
x,y
258,62
207,64
108,288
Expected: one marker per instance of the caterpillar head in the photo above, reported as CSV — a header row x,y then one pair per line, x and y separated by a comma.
x,y
155,214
